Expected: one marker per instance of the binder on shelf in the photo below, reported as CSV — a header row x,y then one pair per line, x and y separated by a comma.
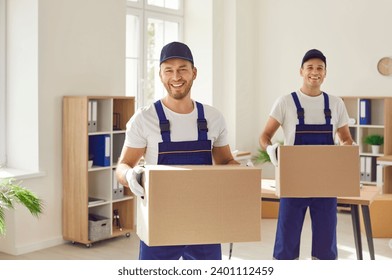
x,y
118,189
94,115
89,116
115,183
364,111
370,169
362,168
99,149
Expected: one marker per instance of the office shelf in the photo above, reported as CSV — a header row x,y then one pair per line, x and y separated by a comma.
x,y
81,182
380,114
380,123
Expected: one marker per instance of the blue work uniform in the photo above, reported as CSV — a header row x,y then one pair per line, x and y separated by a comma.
x,y
323,211
196,152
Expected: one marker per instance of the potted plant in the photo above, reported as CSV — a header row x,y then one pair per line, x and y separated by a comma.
x,y
375,140
11,193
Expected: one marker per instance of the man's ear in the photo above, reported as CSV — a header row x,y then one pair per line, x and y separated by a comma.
x,y
194,73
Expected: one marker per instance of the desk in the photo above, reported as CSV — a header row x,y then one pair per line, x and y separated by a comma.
x,y
368,193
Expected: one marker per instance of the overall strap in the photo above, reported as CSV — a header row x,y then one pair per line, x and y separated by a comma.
x,y
327,111
164,123
201,122
300,110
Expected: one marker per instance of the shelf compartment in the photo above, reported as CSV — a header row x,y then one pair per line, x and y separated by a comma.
x,y
118,142
369,130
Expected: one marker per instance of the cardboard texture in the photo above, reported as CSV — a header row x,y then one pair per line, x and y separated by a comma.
x,y
318,171
199,205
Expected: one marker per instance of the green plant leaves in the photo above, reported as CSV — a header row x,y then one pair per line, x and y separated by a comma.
x,y
10,193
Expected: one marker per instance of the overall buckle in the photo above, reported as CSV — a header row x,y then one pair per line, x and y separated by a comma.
x,y
202,124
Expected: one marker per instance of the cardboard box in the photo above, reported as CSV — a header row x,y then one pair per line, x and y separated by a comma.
x,y
318,171
199,205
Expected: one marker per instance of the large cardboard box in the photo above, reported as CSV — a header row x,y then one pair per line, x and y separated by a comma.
x,y
318,171
199,205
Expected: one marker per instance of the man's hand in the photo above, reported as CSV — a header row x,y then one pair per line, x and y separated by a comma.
x,y
272,151
133,176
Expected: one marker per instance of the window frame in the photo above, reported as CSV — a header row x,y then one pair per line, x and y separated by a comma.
x,y
143,4
145,12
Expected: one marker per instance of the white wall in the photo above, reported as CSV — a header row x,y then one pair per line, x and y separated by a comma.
x,y
235,49
353,34
78,48
254,47
198,35
22,82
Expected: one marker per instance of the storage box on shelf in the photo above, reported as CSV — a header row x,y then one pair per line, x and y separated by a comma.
x,y
98,227
94,128
373,115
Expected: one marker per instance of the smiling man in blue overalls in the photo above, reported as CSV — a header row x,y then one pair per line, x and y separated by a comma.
x,y
175,130
307,117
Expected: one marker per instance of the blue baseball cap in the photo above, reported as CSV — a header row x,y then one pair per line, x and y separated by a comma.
x,y
313,53
176,50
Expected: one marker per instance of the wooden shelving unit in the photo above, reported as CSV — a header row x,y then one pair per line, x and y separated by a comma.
x,y
380,123
81,182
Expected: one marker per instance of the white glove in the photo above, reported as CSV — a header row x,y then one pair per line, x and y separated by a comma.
x,y
134,176
272,152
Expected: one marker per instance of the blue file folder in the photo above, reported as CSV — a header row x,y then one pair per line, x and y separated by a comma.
x,y
99,149
364,111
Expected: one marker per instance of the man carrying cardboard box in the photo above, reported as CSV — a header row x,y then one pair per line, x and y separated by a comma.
x,y
175,130
307,117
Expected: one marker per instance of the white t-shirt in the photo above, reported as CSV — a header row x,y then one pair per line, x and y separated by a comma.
x,y
285,112
143,129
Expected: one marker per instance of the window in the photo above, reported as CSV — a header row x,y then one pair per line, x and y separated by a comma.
x,y
150,25
2,83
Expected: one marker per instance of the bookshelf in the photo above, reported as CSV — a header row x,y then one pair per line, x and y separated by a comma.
x,y
83,221
380,115
380,112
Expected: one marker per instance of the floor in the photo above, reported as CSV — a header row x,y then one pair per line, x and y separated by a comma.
x,y
123,248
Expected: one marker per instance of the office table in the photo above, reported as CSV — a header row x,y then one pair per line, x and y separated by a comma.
x,y
367,195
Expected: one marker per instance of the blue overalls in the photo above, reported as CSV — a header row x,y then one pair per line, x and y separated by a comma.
x,y
182,153
323,211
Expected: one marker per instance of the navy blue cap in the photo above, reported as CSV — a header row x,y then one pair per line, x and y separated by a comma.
x,y
313,53
176,50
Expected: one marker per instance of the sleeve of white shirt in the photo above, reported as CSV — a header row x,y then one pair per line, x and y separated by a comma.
x,y
222,138
217,129
134,133
278,110
343,115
